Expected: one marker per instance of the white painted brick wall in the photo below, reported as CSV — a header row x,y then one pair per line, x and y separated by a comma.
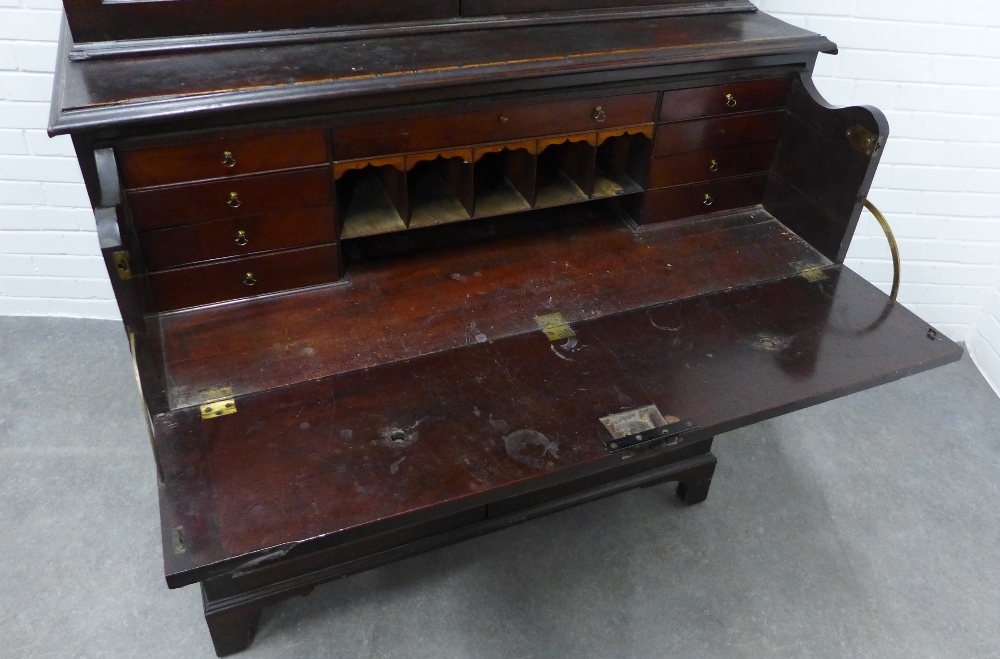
x,y
50,263
933,66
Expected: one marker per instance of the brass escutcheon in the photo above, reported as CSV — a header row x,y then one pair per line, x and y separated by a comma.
x,y
730,100
599,114
249,279
241,238
504,119
708,200
234,200
714,167
228,160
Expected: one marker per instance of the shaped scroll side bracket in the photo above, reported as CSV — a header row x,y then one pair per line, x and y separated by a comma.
x,y
823,168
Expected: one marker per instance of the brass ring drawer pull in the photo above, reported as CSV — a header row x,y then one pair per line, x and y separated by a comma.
x,y
730,100
249,279
708,200
228,160
503,119
714,167
241,238
234,200
599,114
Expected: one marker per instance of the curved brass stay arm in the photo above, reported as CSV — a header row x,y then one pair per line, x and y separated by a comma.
x,y
892,245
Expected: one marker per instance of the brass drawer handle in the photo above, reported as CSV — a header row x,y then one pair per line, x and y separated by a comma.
x,y
714,167
241,238
708,200
599,114
503,119
228,160
730,100
249,279
234,200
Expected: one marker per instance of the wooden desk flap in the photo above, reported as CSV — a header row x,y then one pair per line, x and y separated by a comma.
x,y
328,460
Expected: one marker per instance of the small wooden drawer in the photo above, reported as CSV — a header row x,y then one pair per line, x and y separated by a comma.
x,y
222,157
718,133
494,125
170,206
711,165
684,201
238,236
724,99
244,277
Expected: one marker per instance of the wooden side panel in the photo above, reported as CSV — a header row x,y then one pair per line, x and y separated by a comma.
x,y
821,170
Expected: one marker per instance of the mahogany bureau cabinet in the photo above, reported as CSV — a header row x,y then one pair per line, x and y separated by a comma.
x,y
397,273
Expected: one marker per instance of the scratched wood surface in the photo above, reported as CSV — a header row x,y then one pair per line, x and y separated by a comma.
x,y
569,260
389,446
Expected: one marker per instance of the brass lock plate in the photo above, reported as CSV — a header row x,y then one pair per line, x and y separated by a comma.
x,y
122,266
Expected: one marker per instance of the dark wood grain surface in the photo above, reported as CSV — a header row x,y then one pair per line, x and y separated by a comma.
x,y
376,449
709,165
514,121
191,203
715,100
107,92
571,260
232,279
238,236
683,201
248,153
718,132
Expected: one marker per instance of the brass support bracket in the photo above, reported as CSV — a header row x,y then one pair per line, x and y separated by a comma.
x,y
892,245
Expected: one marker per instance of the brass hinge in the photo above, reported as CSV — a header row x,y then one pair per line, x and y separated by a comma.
x,y
120,259
554,326
218,408
217,401
863,140
810,271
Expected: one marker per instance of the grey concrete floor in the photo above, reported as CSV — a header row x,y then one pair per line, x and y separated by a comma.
x,y
865,527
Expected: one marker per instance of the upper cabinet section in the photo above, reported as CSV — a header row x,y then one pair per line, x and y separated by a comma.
x,y
212,21
495,7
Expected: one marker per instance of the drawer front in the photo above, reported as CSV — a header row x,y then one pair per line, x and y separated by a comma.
x,y
724,99
690,200
238,236
718,133
159,208
495,125
711,165
222,157
239,278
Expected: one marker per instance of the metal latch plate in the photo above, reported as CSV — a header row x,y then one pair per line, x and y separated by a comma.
x,y
640,426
